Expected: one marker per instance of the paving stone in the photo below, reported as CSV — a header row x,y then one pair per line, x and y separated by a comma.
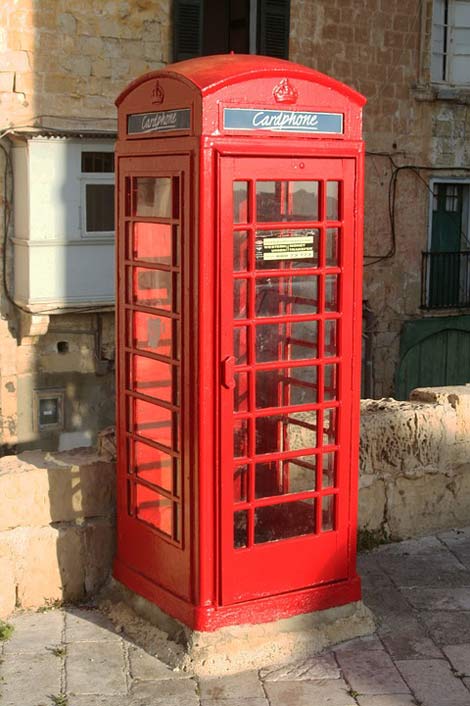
x,y
369,642
318,667
448,628
322,692
242,685
97,700
164,693
387,700
30,679
458,542
439,598
433,683
371,672
406,647
423,562
234,702
148,668
459,657
35,632
88,626
95,668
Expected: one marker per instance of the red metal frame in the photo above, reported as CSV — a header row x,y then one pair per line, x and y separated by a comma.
x,y
194,572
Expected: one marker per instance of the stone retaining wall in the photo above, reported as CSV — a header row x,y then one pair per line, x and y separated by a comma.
x,y
415,463
57,514
56,527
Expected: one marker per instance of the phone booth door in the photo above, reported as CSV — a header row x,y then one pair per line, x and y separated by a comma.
x,y
287,259
152,522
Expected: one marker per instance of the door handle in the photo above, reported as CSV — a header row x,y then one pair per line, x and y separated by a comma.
x,y
228,378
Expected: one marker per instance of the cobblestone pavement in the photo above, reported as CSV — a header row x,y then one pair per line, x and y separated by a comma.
x,y
419,591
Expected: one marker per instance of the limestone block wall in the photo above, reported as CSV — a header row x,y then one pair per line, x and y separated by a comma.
x,y
56,527
415,463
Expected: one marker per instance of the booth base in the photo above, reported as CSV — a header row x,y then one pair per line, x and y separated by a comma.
x,y
237,647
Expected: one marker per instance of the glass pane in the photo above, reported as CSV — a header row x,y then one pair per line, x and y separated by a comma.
x,y
99,205
240,438
153,242
156,423
240,345
303,200
328,513
240,250
240,533
155,466
303,340
328,474
331,293
332,200
240,482
153,197
153,333
287,201
295,386
97,162
154,378
271,342
240,201
153,288
274,249
277,522
274,343
155,509
286,295
240,295
268,479
286,432
331,348
284,477
300,474
269,195
329,427
240,393
330,382
331,248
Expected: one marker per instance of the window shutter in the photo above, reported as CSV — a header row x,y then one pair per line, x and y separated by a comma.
x,y
274,28
187,29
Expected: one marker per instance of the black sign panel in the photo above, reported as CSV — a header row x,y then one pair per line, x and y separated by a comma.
x,y
161,121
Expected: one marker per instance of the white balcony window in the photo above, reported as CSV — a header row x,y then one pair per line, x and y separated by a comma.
x,y
450,52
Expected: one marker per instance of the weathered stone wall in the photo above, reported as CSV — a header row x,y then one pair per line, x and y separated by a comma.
x,y
56,527
414,463
382,48
62,65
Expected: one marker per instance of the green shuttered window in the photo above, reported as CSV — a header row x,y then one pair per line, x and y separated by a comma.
x,y
203,27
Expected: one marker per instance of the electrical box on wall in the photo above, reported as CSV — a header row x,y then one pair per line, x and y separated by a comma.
x,y
63,240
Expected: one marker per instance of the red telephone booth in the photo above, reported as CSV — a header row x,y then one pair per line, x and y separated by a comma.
x,y
240,196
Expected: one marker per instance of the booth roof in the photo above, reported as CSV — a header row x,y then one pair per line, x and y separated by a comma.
x,y
211,73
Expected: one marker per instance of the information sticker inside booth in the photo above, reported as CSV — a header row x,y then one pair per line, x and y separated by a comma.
x,y
239,305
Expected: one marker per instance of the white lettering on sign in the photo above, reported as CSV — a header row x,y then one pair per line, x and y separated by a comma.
x,y
283,120
159,121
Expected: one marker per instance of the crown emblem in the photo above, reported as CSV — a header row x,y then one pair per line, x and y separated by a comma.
x,y
158,94
284,92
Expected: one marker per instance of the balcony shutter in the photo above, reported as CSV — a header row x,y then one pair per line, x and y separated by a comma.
x,y
187,29
274,28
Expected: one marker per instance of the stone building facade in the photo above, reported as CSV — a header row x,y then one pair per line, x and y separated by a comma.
x,y
62,64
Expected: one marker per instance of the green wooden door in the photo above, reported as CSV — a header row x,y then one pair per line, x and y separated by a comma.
x,y
433,352
445,245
